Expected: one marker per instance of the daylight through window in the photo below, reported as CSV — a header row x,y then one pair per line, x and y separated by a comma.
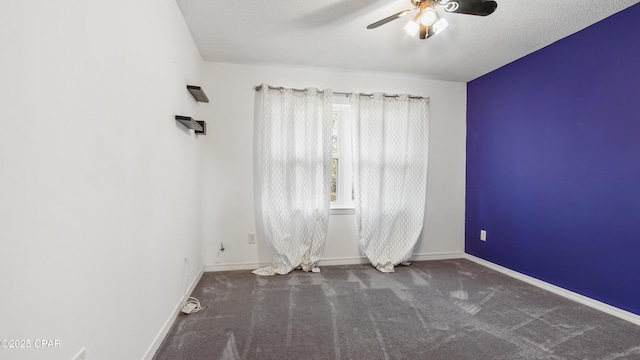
x,y
341,180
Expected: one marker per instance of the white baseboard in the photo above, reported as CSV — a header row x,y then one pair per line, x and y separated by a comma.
x,y
235,266
356,260
352,260
171,319
606,308
257,265
437,256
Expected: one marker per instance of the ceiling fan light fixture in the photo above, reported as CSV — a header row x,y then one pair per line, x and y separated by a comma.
x,y
412,28
440,25
428,16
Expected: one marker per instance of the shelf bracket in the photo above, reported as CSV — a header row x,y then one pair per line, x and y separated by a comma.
x,y
204,128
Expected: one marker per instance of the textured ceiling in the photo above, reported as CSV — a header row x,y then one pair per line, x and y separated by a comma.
x,y
333,34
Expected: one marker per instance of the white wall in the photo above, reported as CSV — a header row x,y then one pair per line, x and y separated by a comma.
x,y
229,213
99,202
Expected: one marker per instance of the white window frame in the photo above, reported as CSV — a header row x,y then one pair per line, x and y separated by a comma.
x,y
344,186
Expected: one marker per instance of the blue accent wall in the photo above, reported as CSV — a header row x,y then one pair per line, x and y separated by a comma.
x,y
553,163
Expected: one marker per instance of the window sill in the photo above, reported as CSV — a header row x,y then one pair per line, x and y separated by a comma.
x,y
342,211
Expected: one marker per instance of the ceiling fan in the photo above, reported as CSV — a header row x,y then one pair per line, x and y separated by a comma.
x,y
428,22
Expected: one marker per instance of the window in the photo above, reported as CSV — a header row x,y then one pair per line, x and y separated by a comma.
x,y
341,180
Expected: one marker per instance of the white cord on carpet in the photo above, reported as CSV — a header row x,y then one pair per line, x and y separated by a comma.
x,y
192,305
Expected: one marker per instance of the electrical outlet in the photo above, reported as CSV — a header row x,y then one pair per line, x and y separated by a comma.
x,y
252,238
483,235
81,355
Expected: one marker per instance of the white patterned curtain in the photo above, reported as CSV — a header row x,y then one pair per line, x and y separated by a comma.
x,y
293,175
390,149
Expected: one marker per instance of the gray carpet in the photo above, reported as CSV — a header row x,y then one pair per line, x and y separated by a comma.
x,y
449,309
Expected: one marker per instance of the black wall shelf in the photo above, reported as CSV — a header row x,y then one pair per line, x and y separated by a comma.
x,y
199,126
198,93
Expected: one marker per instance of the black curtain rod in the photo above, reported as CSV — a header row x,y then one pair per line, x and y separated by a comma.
x,y
259,87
